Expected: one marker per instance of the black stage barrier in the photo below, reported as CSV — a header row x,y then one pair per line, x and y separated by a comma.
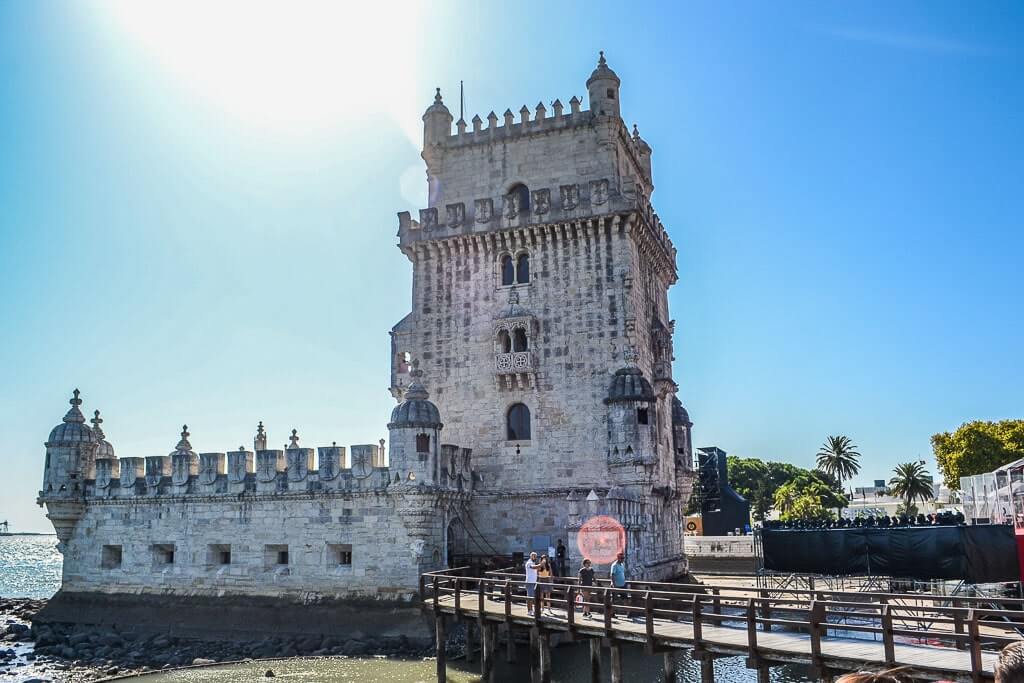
x,y
977,554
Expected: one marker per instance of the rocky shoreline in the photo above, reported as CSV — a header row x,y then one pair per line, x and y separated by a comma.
x,y
49,654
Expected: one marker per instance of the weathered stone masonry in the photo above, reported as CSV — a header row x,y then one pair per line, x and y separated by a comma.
x,y
540,326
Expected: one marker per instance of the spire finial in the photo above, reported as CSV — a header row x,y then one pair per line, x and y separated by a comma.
x,y
259,429
96,419
600,61
636,131
184,445
74,414
294,439
437,96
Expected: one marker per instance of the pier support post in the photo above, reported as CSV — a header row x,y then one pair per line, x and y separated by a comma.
x,y
510,643
616,659
470,637
669,666
540,656
442,665
595,660
544,641
487,638
707,669
763,674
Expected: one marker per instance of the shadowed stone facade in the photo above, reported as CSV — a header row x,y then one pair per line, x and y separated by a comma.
x,y
539,341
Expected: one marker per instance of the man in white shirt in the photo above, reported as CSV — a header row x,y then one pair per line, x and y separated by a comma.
x,y
531,580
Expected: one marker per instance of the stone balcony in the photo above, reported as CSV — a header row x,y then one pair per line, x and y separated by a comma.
x,y
515,369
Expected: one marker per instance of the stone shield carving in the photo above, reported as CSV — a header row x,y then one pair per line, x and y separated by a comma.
x,y
484,210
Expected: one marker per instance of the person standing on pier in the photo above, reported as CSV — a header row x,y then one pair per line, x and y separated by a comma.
x,y
586,580
617,573
531,566
1010,667
560,554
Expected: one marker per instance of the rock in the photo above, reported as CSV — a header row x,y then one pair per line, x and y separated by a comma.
x,y
198,661
353,647
269,674
78,639
112,671
161,641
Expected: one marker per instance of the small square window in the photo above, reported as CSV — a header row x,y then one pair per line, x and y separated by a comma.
x,y
339,554
111,557
611,94
275,556
218,554
642,416
163,554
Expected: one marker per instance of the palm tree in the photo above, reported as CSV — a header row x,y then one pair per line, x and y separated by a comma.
x,y
838,457
912,481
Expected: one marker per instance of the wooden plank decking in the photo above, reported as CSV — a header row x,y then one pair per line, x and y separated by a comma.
x,y
840,653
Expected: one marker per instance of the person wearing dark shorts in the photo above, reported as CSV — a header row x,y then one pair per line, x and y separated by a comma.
x,y
586,582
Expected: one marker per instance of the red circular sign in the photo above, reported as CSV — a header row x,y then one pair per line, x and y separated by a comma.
x,y
601,539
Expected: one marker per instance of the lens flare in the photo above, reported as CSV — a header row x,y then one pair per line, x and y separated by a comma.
x,y
601,539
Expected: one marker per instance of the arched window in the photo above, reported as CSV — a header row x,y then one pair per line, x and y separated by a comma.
x,y
508,271
522,193
519,340
518,423
523,269
422,443
504,342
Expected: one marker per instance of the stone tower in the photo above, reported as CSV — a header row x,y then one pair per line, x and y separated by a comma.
x,y
540,323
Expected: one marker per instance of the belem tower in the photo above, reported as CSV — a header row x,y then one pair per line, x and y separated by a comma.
x,y
534,385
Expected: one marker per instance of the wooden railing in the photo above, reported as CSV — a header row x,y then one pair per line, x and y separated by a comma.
x,y
961,622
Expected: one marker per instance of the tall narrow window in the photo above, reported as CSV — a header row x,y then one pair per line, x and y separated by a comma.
x,y
522,193
518,423
519,340
641,416
508,271
523,269
504,342
422,443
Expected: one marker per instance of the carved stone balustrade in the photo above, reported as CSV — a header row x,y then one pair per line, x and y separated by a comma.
x,y
516,369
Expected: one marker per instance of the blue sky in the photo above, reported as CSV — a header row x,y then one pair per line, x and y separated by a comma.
x,y
197,211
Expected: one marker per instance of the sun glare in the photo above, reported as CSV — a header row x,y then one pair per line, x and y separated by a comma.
x,y
295,66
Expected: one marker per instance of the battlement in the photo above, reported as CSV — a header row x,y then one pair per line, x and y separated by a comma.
x,y
508,127
360,467
566,203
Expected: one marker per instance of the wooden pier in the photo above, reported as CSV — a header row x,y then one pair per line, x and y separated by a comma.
x,y
937,637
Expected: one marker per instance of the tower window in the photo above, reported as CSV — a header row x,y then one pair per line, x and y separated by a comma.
x,y
519,340
522,193
111,557
523,269
611,94
508,271
504,342
518,423
642,416
422,443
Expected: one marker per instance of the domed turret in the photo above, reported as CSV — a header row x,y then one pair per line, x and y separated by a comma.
x,y
680,416
603,86
415,431
103,447
437,122
644,152
417,410
629,384
72,431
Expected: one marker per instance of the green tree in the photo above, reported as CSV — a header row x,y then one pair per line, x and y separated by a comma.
x,y
912,482
838,457
977,447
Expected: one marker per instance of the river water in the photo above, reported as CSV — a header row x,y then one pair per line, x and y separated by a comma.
x,y
30,568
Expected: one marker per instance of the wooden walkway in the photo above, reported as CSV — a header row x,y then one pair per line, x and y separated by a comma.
x,y
831,632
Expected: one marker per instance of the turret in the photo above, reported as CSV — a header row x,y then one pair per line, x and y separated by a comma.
x,y
107,466
643,150
603,86
632,419
437,123
415,430
70,452
437,127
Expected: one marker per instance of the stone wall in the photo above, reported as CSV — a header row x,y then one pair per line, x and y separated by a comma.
x,y
178,545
